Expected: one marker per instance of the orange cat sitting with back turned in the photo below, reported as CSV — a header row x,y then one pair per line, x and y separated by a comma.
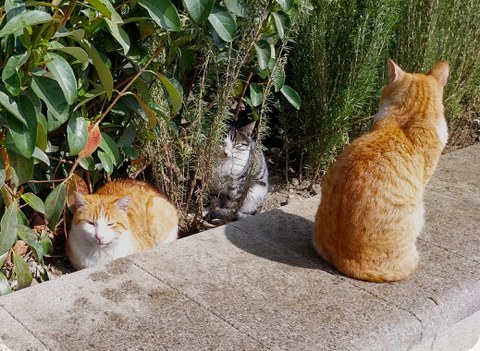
x,y
122,218
371,209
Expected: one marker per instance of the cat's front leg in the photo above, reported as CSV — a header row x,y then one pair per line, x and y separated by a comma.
x,y
253,202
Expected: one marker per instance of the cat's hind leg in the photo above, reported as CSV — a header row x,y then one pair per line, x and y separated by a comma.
x,y
162,220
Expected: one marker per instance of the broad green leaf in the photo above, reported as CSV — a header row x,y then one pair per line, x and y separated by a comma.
x,y
106,161
87,163
11,105
76,52
106,9
100,7
13,7
108,145
174,93
4,286
3,173
236,7
22,219
292,96
264,52
103,72
21,167
37,251
63,74
46,243
256,94
41,248
36,102
11,73
130,152
77,34
150,114
199,10
282,23
51,93
42,140
24,137
77,133
26,234
25,19
54,205
128,136
8,228
285,4
119,34
223,23
163,13
34,202
53,123
39,154
22,271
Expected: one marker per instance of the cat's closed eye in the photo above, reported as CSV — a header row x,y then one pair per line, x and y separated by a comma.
x,y
111,224
89,222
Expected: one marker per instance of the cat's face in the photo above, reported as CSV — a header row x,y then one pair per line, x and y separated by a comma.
x,y
101,218
238,141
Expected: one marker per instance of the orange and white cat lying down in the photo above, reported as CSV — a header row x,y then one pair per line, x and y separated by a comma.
x,y
371,209
122,218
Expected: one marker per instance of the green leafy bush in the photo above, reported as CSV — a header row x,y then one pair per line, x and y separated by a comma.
x,y
73,92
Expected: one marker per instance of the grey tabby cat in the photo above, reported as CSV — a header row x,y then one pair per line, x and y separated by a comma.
x,y
240,180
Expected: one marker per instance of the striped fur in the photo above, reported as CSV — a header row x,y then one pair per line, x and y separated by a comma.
x,y
240,181
371,209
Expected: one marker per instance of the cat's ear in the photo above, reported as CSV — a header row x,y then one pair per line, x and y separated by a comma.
x,y
123,203
440,72
79,200
248,129
395,73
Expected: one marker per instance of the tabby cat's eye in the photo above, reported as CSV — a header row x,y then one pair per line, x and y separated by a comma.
x,y
111,224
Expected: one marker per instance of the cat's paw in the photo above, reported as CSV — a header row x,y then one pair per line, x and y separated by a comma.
x,y
220,216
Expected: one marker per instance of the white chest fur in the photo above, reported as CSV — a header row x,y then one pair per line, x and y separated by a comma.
x,y
442,131
232,165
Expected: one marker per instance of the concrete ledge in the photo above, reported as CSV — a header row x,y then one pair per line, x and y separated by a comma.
x,y
257,284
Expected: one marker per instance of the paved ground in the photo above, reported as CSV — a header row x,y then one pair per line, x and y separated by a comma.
x,y
257,284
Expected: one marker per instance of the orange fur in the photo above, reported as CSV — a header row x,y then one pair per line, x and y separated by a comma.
x,y
371,209
144,221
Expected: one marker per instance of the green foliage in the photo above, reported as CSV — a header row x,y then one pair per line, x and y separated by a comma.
x,y
341,58
67,68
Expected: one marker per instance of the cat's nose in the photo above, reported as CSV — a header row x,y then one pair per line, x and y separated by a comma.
x,y
99,237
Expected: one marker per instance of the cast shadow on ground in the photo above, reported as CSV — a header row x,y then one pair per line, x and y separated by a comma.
x,y
278,236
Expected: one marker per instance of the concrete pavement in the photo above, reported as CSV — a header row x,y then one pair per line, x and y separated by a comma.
x,y
257,284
